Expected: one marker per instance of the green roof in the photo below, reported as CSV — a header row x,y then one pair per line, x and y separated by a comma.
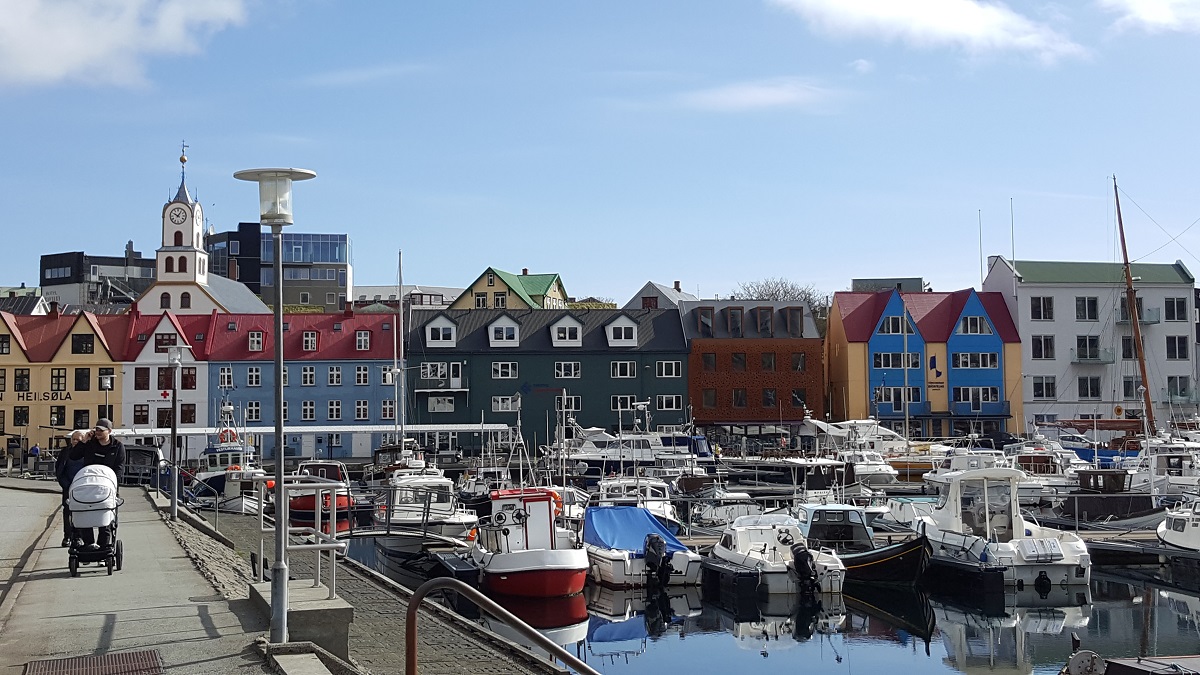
x,y
528,285
1046,272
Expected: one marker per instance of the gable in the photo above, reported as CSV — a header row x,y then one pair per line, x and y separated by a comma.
x,y
621,332
567,332
504,332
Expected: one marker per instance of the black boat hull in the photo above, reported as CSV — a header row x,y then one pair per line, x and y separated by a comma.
x,y
902,563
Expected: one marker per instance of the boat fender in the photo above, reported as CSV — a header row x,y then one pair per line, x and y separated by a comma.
x,y
472,534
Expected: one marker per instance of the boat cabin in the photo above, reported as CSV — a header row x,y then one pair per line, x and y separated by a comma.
x,y
521,519
324,469
1105,481
768,535
837,526
220,458
982,505
631,491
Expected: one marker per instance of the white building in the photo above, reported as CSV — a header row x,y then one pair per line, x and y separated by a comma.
x,y
1078,358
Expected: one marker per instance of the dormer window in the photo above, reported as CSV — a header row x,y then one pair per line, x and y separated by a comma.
x,y
504,333
566,333
622,333
974,325
736,323
362,340
256,341
766,323
795,322
441,334
704,322
310,341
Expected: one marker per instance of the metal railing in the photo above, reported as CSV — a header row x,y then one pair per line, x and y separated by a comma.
x,y
491,607
324,491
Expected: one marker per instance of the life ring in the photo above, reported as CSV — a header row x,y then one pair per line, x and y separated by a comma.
x,y
558,502
471,535
227,436
326,501
233,467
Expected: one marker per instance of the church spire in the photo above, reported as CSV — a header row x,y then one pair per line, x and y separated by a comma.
x,y
182,195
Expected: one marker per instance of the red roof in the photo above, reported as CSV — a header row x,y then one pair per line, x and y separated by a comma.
x,y
336,337
936,314
860,312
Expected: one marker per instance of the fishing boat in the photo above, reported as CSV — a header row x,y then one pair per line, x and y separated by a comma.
x,y
390,462
843,528
773,548
303,507
1181,527
424,504
979,535
628,547
520,550
223,479
1030,490
652,494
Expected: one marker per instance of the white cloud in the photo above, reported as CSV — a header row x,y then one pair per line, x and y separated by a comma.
x,y
862,66
46,42
974,26
782,92
1154,16
356,76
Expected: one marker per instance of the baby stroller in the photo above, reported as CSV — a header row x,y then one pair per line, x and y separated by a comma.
x,y
93,501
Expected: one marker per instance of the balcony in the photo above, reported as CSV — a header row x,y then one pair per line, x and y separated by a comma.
x,y
893,410
1146,316
981,409
441,384
1092,356
1179,398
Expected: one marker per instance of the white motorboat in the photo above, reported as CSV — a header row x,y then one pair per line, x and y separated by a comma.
x,y
1030,490
869,467
715,505
1181,527
977,525
771,544
628,547
425,504
652,494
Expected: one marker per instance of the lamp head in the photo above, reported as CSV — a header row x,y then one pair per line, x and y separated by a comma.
x,y
275,192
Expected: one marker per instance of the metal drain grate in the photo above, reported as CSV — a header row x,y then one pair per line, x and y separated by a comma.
x,y
148,662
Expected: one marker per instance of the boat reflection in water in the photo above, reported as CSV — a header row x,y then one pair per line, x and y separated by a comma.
x,y
780,621
894,613
623,620
999,641
563,620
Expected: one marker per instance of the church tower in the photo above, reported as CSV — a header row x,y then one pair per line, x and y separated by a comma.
x,y
182,257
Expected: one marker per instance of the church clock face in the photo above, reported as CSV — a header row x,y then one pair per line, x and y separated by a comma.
x,y
178,215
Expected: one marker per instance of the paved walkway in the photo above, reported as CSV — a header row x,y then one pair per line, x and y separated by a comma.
x,y
158,601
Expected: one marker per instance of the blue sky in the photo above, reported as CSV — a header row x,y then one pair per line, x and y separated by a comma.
x,y
613,142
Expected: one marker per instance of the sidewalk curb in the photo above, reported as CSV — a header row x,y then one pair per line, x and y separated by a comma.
x,y
42,486
10,601
197,521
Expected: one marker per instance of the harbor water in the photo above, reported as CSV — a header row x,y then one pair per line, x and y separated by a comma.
x,y
864,630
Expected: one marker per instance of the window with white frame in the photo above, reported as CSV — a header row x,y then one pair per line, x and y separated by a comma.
x,y
567,369
504,370
441,404
253,411
481,301
1175,309
1089,387
505,404
974,325
308,376
441,334
387,409
669,368
335,440
896,359
504,333
499,300
335,410
622,402
895,395
1178,385
568,403
310,341
362,375
1130,386
362,409
975,360
975,394
308,410
256,340
1177,347
335,376
566,333
895,325
284,374
1087,308
670,402
1045,386
362,340
254,376
433,370
1041,308
1042,346
285,411
624,369
623,333
225,377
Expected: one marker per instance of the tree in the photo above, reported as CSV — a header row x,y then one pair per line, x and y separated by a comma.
x,y
778,289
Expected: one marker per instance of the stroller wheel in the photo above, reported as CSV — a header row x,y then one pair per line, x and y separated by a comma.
x,y
73,566
110,563
120,555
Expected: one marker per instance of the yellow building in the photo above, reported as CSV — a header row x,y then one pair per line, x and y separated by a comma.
x,y
496,289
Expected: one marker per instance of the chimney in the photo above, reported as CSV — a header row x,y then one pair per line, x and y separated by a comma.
x,y
677,288
54,309
524,271
348,308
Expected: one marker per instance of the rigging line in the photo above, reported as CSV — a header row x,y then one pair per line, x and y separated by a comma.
x,y
1173,239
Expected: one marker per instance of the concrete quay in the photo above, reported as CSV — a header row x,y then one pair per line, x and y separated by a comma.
x,y
181,603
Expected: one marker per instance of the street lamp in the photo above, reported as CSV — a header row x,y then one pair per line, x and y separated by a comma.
x,y
106,385
275,209
175,361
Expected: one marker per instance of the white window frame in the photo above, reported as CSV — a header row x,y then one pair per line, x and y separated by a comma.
x,y
568,370
670,402
253,376
362,340
335,440
441,404
566,333
253,411
669,369
505,404
504,370
285,411
571,403
1176,306
895,360
622,401
504,334
334,410
623,370
362,375
894,325
362,409
1041,382
1042,341
225,377
256,341
1041,308
308,376
284,373
441,334
1178,345
387,409
308,410
335,376
434,370
974,325
310,341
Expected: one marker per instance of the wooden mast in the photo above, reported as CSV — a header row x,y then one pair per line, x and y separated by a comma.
x,y
1134,319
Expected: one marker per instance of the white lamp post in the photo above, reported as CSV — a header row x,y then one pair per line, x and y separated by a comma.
x,y
275,209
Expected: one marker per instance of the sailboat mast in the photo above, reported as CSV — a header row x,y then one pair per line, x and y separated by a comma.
x,y
396,373
1134,318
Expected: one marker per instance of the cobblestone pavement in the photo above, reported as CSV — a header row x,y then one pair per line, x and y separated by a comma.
x,y
446,645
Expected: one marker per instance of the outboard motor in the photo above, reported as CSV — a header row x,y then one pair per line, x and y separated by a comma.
x,y
804,569
658,561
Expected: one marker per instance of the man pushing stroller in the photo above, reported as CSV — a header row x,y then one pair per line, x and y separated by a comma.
x,y
97,448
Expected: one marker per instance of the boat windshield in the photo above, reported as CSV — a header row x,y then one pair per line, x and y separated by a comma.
x,y
842,529
986,506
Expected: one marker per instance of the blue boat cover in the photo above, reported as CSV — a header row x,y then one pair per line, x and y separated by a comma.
x,y
603,630
624,528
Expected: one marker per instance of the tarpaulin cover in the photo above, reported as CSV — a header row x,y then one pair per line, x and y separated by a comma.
x,y
624,528
603,630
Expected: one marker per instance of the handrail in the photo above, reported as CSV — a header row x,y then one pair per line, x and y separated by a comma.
x,y
489,605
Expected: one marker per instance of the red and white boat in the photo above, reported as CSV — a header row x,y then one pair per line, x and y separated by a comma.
x,y
520,551
302,507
